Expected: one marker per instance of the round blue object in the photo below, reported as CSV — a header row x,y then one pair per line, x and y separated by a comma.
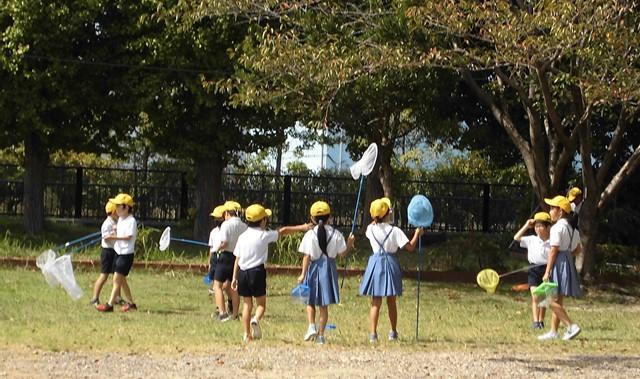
x,y
206,280
420,211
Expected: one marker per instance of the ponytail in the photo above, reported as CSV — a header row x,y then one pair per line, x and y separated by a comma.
x,y
322,233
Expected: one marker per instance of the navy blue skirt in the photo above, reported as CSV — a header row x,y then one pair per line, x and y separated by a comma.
x,y
322,279
383,276
564,273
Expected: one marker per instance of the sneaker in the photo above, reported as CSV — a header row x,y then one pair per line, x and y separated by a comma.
x,y
311,333
224,317
129,307
373,338
104,308
393,335
550,335
572,331
536,325
120,301
95,301
541,324
320,340
255,329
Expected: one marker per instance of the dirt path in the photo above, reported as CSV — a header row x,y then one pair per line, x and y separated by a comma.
x,y
313,362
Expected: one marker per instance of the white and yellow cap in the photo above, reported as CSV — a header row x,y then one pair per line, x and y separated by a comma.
x,y
218,211
320,208
256,212
110,207
123,198
573,193
560,202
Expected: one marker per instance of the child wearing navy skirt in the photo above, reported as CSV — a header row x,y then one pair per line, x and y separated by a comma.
x,y
320,247
383,276
565,244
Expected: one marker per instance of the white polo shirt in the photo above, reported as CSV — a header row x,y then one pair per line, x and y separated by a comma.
x,y
397,239
537,249
214,239
230,230
561,236
108,227
126,227
252,248
311,246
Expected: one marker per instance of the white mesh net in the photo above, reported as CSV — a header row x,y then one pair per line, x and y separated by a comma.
x,y
165,239
365,165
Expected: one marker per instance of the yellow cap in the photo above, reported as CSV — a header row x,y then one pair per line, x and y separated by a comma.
x,y
379,208
387,201
320,208
560,202
256,212
543,217
231,205
123,198
573,193
218,211
110,207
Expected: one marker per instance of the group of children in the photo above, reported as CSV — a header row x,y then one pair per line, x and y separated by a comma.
x,y
551,251
239,251
119,232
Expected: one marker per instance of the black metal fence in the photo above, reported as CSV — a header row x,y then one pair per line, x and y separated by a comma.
x,y
166,195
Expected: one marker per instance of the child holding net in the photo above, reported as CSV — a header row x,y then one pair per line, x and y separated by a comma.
x,y
320,247
383,276
565,243
537,253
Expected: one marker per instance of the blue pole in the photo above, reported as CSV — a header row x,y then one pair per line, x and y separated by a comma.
x,y
353,225
418,302
67,244
84,245
190,241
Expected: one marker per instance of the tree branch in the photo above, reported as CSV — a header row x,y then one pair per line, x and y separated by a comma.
x,y
552,113
616,182
614,145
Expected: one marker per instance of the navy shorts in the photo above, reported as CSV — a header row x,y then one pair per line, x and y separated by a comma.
x,y
535,275
224,267
107,259
252,282
123,264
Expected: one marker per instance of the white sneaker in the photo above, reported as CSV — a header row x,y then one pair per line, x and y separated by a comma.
x,y
550,335
255,329
311,333
572,331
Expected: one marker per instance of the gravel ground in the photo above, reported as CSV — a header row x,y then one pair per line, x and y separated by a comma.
x,y
257,361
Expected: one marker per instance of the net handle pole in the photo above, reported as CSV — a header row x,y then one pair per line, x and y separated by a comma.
x,y
66,244
199,243
353,227
84,245
522,269
418,293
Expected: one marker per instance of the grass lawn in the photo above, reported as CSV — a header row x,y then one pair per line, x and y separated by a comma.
x,y
175,309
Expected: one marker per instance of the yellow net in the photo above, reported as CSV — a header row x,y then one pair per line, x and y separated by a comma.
x,y
488,280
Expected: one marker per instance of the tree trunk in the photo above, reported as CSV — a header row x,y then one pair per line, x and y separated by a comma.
x,y
373,190
386,172
589,231
35,162
208,194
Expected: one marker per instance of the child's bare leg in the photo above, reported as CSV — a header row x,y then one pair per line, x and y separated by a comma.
x,y
311,314
246,315
127,290
217,290
118,279
324,316
534,308
261,305
235,300
374,313
97,287
393,312
559,313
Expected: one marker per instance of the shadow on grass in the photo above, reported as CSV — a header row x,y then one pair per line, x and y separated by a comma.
x,y
173,311
576,361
